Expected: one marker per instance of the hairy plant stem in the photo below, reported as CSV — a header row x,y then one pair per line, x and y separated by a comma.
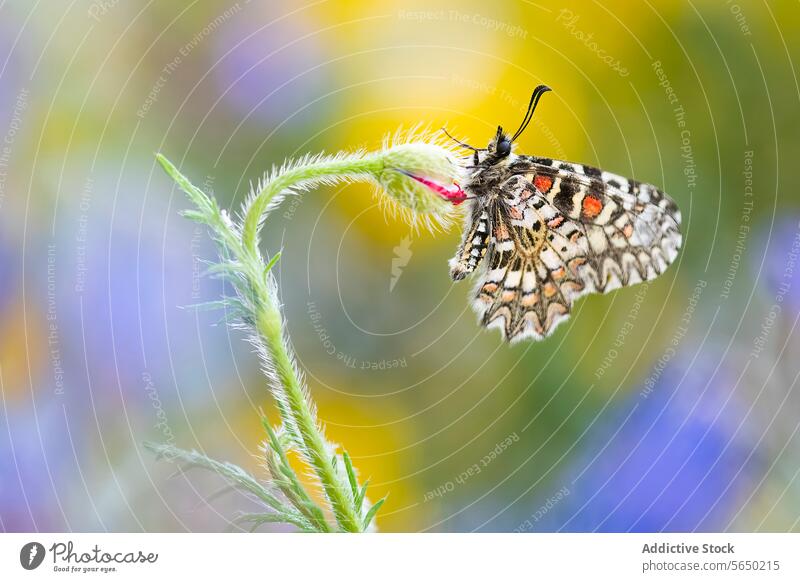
x,y
302,417
353,167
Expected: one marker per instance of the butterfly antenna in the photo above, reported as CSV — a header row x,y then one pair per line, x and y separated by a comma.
x,y
461,143
537,94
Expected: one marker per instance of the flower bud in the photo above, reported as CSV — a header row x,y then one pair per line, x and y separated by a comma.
x,y
421,176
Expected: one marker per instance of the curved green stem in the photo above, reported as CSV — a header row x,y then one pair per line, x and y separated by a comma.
x,y
351,167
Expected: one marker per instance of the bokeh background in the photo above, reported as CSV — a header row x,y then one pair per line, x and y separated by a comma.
x,y
668,407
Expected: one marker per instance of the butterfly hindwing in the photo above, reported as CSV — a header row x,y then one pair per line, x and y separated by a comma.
x,y
526,288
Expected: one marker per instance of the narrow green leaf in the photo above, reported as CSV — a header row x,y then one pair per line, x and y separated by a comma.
x,y
351,476
196,215
196,194
227,269
272,262
235,474
361,495
371,513
292,487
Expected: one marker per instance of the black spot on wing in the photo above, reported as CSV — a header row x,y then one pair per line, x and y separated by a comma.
x,y
592,172
565,198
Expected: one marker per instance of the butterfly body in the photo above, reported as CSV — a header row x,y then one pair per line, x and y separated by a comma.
x,y
540,233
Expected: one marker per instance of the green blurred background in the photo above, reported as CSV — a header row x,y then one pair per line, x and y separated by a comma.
x,y
669,407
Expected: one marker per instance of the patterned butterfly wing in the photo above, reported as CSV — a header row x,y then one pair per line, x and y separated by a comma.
x,y
632,229
593,196
559,232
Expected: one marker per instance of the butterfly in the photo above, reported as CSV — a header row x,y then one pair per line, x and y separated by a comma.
x,y
540,233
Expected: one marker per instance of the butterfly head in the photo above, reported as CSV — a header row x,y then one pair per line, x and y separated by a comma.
x,y
500,147
498,151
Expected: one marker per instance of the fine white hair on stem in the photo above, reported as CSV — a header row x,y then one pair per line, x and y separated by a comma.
x,y
416,151
303,181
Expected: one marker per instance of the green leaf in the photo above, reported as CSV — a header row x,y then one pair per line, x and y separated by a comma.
x,y
196,194
351,476
361,495
226,269
233,473
272,262
371,513
292,487
196,215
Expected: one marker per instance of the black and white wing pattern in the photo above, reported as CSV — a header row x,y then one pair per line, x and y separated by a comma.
x,y
558,231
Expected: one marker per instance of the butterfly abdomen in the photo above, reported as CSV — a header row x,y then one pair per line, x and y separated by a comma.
x,y
473,247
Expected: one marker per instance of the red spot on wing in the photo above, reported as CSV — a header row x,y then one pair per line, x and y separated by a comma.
x,y
591,207
543,183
